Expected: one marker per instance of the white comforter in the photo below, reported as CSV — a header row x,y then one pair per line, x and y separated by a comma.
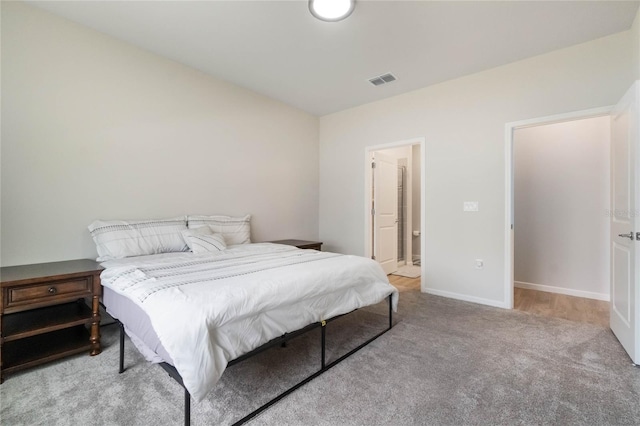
x,y
208,309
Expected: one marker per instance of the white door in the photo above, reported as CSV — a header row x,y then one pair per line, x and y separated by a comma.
x,y
625,202
385,211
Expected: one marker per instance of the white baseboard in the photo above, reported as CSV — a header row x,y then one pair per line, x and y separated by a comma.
x,y
465,298
561,290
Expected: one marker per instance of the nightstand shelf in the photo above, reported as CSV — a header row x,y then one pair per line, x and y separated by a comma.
x,y
44,320
35,350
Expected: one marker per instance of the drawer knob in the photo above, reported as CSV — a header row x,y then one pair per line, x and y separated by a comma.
x,y
52,290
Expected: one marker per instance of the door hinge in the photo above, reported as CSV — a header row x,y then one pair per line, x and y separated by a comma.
x,y
373,165
637,236
373,213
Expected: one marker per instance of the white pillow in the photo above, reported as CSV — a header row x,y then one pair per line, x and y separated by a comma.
x,y
236,230
116,239
203,240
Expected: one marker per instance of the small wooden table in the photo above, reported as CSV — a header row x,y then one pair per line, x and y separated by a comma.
x,y
303,244
44,315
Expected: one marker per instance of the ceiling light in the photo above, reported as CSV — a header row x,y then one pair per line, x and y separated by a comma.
x,y
331,10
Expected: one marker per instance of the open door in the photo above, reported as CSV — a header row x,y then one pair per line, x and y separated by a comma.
x,y
385,211
625,205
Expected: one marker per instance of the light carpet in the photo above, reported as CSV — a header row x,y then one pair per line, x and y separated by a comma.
x,y
445,362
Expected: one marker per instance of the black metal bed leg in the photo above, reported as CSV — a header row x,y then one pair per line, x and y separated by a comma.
x,y
390,313
323,334
187,408
121,326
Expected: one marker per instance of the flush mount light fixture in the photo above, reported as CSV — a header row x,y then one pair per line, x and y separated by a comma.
x,y
331,10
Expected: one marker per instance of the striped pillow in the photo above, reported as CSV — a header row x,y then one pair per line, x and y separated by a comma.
x,y
236,230
203,239
116,239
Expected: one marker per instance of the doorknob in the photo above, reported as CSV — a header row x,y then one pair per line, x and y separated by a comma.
x,y
629,235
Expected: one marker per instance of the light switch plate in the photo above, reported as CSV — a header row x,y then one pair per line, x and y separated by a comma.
x,y
470,206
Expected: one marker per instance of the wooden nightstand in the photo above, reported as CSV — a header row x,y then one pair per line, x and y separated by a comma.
x,y
44,315
303,244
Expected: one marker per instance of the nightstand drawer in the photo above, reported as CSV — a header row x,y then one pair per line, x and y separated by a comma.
x,y
23,295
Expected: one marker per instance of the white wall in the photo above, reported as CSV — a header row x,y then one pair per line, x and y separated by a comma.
x,y
561,193
463,122
95,128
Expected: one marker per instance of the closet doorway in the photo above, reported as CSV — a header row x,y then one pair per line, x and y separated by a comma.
x,y
561,196
393,209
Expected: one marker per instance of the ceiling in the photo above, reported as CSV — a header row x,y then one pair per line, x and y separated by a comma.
x,y
278,49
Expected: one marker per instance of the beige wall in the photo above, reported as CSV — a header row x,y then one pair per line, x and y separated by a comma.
x,y
463,122
95,128
561,193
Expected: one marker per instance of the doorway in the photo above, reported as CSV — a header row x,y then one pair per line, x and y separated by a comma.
x,y
561,229
551,233
394,207
624,320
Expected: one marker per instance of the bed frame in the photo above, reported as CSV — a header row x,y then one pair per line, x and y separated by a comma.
x,y
277,341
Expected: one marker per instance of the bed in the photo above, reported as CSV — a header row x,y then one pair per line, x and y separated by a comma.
x,y
196,312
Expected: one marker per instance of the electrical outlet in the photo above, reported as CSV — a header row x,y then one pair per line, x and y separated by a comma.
x,y
479,264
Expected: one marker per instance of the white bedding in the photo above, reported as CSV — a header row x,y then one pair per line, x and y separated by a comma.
x,y
208,309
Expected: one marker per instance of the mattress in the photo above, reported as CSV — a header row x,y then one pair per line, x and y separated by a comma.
x,y
200,311
137,325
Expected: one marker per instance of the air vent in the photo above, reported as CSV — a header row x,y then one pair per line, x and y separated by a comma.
x,y
382,79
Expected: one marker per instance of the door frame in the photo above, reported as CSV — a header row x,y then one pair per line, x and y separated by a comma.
x,y
509,129
367,195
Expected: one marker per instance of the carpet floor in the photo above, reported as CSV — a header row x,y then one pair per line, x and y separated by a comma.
x,y
445,362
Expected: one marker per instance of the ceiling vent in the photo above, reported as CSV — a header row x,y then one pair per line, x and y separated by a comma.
x,y
382,79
